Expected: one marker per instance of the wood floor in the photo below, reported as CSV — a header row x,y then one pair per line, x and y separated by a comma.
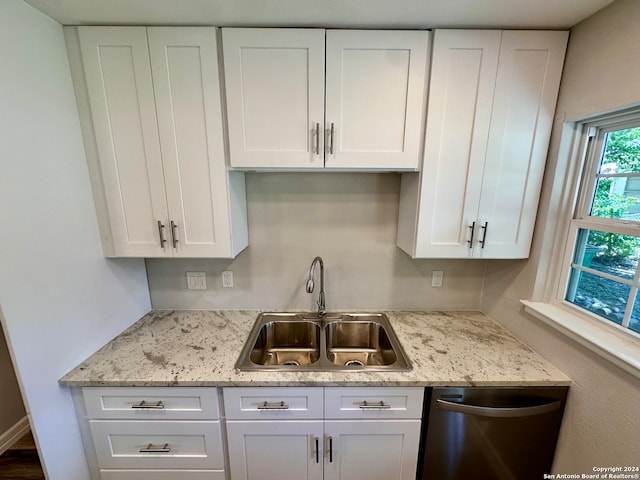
x,y
21,461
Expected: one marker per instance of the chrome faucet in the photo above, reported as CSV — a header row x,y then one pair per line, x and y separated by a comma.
x,y
322,309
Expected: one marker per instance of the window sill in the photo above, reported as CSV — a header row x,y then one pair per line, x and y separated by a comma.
x,y
620,348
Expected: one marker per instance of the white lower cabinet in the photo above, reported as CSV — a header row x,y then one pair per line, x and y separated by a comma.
x,y
156,433
272,433
162,475
282,450
157,444
367,433
371,449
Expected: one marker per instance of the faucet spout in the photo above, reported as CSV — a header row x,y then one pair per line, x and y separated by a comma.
x,y
322,309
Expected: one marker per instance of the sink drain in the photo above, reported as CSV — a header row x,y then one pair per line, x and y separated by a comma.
x,y
292,362
352,363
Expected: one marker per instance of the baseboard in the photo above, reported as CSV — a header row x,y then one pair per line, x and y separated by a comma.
x,y
14,434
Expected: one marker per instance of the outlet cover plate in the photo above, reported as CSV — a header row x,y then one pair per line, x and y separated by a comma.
x,y
196,280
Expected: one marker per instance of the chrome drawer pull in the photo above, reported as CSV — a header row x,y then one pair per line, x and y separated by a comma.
x,y
161,234
273,406
151,448
317,139
174,234
484,228
333,134
154,406
473,231
375,405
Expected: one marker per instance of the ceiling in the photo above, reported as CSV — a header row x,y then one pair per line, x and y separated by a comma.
x,y
417,14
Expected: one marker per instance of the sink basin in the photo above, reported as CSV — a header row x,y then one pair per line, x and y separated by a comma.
x,y
359,343
336,342
287,342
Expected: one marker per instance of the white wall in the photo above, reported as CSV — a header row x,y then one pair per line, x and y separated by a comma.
x,y
350,219
601,423
60,298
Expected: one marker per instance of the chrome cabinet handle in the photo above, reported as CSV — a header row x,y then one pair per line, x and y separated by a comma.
x,y
151,406
497,412
484,234
317,441
330,449
473,229
332,133
317,139
161,234
375,405
273,406
174,234
151,448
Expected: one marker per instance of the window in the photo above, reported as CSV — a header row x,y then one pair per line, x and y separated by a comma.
x,y
602,274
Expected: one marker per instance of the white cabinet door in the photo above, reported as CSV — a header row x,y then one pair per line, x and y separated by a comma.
x,y
275,96
491,105
463,74
527,85
290,450
120,90
375,98
280,116
187,91
155,101
371,450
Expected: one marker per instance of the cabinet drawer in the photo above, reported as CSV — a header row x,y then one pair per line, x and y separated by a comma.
x,y
170,403
269,403
194,445
364,402
162,474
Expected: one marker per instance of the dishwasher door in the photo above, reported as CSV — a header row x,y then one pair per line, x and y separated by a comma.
x,y
490,433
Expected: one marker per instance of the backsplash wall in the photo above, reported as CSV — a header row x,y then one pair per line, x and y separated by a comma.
x,y
347,218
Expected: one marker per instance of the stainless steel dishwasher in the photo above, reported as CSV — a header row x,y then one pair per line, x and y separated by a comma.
x,y
490,433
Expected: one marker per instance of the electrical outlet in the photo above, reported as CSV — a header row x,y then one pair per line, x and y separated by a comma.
x,y
436,278
227,279
196,280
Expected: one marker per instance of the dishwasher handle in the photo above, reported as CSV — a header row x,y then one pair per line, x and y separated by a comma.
x,y
497,412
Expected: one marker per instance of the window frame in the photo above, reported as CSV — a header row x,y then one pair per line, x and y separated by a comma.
x,y
591,137
565,168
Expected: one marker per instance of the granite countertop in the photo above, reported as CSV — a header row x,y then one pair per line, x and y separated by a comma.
x,y
200,348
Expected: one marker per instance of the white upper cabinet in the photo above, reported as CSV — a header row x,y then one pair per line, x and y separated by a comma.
x,y
524,104
491,104
155,103
369,115
118,81
275,96
375,98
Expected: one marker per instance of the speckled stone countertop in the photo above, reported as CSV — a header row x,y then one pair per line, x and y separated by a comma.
x,y
200,348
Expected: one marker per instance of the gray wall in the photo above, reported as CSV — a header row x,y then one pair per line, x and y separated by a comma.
x,y
61,299
601,423
350,220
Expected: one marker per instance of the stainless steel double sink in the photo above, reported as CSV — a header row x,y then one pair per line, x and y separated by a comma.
x,y
336,342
